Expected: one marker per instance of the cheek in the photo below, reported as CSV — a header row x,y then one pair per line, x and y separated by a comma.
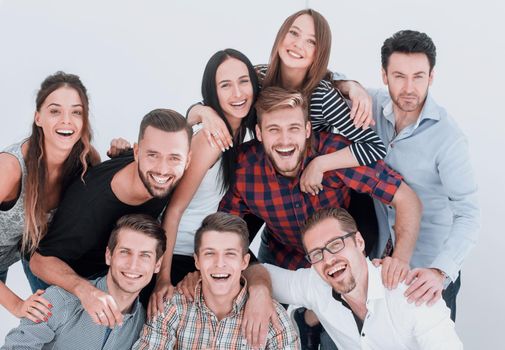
x,y
221,98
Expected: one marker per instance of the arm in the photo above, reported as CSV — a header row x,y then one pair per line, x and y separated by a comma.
x,y
11,177
35,307
361,111
99,305
284,338
214,127
203,157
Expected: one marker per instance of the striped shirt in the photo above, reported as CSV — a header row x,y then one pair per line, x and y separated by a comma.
x,y
278,200
329,112
186,325
70,326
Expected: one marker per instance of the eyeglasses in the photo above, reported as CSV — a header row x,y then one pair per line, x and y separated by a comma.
x,y
333,247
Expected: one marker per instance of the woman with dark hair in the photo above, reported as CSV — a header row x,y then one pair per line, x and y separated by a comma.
x,y
35,172
230,87
299,60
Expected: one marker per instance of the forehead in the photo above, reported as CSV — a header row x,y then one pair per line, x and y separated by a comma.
x,y
305,22
230,68
165,142
408,63
134,240
321,233
63,96
220,240
283,117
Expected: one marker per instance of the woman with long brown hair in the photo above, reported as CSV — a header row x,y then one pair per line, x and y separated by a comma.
x,y
299,60
35,172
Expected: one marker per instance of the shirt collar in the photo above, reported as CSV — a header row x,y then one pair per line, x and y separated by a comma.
x,y
238,303
430,110
101,283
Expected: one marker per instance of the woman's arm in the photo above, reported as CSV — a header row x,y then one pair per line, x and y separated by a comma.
x,y
10,179
213,126
34,308
202,158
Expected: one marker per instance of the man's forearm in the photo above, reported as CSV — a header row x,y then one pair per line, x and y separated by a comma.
x,y
56,272
408,217
346,86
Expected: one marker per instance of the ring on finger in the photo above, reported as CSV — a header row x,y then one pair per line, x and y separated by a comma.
x,y
100,314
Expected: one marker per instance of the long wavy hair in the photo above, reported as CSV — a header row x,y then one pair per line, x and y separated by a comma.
x,y
319,67
80,158
210,98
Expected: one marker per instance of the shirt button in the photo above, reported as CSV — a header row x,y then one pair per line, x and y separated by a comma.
x,y
363,334
377,174
392,145
390,206
297,205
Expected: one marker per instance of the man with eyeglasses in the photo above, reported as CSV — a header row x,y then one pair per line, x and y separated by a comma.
x,y
345,291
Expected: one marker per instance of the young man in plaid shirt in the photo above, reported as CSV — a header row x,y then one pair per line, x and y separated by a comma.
x,y
213,319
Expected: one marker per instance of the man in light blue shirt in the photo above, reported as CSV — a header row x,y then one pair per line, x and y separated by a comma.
x,y
134,253
425,145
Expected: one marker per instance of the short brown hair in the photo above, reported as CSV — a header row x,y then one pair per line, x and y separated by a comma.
x,y
345,220
165,120
144,224
274,98
223,222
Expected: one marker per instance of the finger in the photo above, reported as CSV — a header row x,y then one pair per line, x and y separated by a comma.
x,y
114,314
426,297
42,308
376,262
219,142
411,276
41,300
210,138
159,304
257,335
262,336
243,328
385,271
436,297
36,313
404,270
391,275
32,318
107,318
102,318
151,308
399,271
225,137
249,332
354,108
416,295
414,286
359,117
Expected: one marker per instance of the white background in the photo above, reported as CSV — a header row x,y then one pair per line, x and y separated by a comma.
x,y
134,56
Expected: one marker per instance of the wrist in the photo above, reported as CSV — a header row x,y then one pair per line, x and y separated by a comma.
x,y
259,290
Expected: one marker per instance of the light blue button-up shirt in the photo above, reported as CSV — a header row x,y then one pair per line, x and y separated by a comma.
x,y
432,156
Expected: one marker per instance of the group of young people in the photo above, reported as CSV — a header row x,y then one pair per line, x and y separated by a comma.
x,y
276,144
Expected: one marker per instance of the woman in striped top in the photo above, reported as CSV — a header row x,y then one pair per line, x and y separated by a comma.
x,y
299,60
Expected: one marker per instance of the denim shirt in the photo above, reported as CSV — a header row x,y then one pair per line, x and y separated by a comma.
x,y
70,326
432,156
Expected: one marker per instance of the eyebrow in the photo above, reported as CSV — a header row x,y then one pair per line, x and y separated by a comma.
x,y
296,27
155,151
228,80
416,73
142,251
58,105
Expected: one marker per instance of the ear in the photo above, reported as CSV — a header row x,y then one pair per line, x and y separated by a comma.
x,y
245,261
258,133
36,119
360,242
432,76
384,76
188,160
197,262
157,267
108,256
136,151
308,129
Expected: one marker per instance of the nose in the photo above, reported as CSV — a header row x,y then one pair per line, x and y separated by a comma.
x,y
132,261
163,167
285,137
409,85
329,258
236,90
220,261
66,116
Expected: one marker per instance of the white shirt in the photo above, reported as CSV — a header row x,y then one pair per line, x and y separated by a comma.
x,y
390,323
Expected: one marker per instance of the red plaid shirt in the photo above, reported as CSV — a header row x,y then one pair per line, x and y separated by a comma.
x,y
276,199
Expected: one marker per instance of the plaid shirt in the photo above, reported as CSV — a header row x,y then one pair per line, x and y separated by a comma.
x,y
276,199
186,325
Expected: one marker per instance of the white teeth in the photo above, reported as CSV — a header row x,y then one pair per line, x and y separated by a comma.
x,y
131,275
65,132
294,54
336,269
160,180
284,150
220,275
238,104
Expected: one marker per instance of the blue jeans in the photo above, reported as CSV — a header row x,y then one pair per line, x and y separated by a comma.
x,y
449,295
35,282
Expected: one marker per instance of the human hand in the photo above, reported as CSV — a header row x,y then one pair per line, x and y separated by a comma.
x,y
118,146
35,308
258,313
394,271
215,129
100,306
426,286
162,292
312,177
188,284
361,111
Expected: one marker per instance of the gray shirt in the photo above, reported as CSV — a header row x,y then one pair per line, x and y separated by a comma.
x,y
70,326
432,156
12,221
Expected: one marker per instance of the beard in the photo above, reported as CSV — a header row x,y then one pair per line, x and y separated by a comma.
x,y
156,192
345,286
284,171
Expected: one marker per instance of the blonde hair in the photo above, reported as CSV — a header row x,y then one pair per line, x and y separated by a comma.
x,y
274,98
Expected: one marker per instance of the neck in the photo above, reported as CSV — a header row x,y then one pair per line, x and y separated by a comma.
x,y
220,305
235,124
404,118
292,78
55,157
357,297
128,187
124,300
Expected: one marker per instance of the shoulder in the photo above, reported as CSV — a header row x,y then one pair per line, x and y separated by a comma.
x,y
10,165
249,153
201,150
61,299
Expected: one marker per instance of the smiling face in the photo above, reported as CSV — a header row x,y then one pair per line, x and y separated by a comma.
x,y
298,48
61,118
343,269
162,158
284,133
221,260
133,261
408,78
234,89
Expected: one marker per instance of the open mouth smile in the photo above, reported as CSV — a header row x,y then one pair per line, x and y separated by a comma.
x,y
285,151
161,180
65,132
336,271
294,54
